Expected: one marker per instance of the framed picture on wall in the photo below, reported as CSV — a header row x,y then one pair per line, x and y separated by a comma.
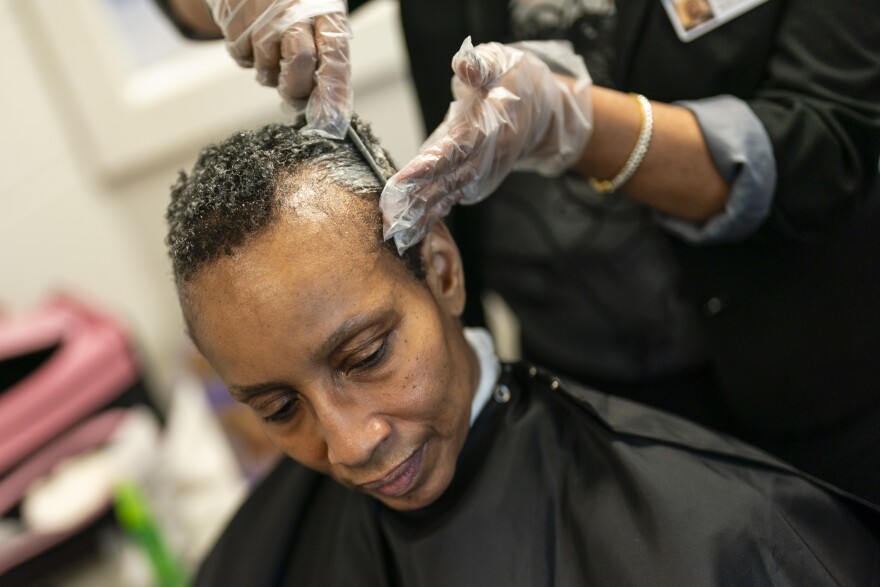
x,y
130,90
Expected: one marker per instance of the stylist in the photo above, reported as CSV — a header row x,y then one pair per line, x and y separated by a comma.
x,y
703,246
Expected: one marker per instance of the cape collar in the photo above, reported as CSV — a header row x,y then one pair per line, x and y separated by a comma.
x,y
490,367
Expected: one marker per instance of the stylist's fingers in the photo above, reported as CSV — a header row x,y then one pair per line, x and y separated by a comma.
x,y
480,66
332,34
438,187
241,50
444,151
244,23
436,160
411,205
433,213
427,187
299,59
329,108
407,214
267,56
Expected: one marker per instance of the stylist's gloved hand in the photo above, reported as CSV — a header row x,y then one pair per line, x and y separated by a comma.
x,y
510,113
300,46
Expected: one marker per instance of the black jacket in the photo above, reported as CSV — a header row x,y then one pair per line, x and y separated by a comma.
x,y
561,486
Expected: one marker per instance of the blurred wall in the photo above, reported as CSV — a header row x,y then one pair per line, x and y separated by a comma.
x,y
65,226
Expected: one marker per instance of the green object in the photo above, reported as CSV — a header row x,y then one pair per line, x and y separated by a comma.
x,y
134,516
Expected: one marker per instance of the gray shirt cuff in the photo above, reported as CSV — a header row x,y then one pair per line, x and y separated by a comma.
x,y
741,148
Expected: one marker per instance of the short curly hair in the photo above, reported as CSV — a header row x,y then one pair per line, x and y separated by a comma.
x,y
232,193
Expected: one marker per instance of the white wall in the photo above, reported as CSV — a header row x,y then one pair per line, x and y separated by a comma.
x,y
65,226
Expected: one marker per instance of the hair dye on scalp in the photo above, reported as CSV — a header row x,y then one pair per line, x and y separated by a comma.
x,y
240,187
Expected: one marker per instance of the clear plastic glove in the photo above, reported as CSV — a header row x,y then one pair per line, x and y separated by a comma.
x,y
300,46
510,113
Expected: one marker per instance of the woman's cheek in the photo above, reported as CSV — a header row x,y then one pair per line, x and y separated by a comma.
x,y
303,446
426,381
425,365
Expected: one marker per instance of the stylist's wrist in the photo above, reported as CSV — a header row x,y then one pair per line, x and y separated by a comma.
x,y
616,124
677,175
560,126
196,16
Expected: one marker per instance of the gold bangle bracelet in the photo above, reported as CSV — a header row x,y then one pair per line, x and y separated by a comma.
x,y
608,186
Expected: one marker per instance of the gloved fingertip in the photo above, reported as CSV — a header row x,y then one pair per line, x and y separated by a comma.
x,y
402,242
394,230
390,228
328,114
397,213
393,200
327,131
293,106
325,121
467,45
267,77
468,67
400,188
241,52
403,235
245,62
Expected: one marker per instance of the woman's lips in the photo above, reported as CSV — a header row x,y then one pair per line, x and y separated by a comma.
x,y
401,478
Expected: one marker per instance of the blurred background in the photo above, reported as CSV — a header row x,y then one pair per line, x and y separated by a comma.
x,y
102,104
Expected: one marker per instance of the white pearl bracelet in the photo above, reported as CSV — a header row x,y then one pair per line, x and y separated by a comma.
x,y
607,186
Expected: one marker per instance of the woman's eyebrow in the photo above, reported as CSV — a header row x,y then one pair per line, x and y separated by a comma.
x,y
244,392
346,330
349,327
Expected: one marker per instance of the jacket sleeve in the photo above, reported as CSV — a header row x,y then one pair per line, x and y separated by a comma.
x,y
182,28
743,155
820,104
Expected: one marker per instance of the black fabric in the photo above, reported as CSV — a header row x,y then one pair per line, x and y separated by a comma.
x,y
796,345
14,369
592,279
566,487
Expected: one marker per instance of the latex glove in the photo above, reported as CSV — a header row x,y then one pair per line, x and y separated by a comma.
x,y
300,46
510,113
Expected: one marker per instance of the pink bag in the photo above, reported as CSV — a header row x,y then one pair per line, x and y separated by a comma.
x,y
67,374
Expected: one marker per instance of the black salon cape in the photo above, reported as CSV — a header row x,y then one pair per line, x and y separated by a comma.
x,y
561,487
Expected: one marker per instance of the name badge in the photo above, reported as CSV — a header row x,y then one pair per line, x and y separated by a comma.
x,y
694,18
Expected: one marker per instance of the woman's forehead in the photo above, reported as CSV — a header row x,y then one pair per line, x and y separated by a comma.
x,y
296,255
311,275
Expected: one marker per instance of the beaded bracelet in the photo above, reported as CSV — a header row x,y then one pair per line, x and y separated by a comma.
x,y
607,186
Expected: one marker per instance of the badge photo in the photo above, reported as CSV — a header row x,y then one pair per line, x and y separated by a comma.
x,y
692,19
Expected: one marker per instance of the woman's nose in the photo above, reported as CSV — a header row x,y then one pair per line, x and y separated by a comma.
x,y
352,440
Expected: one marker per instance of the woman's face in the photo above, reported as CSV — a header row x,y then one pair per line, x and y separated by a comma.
x,y
356,369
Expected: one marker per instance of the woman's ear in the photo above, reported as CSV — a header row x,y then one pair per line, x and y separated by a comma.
x,y
445,274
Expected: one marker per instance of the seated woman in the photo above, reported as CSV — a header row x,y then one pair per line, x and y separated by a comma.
x,y
415,457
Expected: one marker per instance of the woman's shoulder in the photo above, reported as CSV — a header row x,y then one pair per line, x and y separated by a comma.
x,y
256,541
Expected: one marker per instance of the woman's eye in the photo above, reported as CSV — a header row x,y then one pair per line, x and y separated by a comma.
x,y
279,409
371,360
